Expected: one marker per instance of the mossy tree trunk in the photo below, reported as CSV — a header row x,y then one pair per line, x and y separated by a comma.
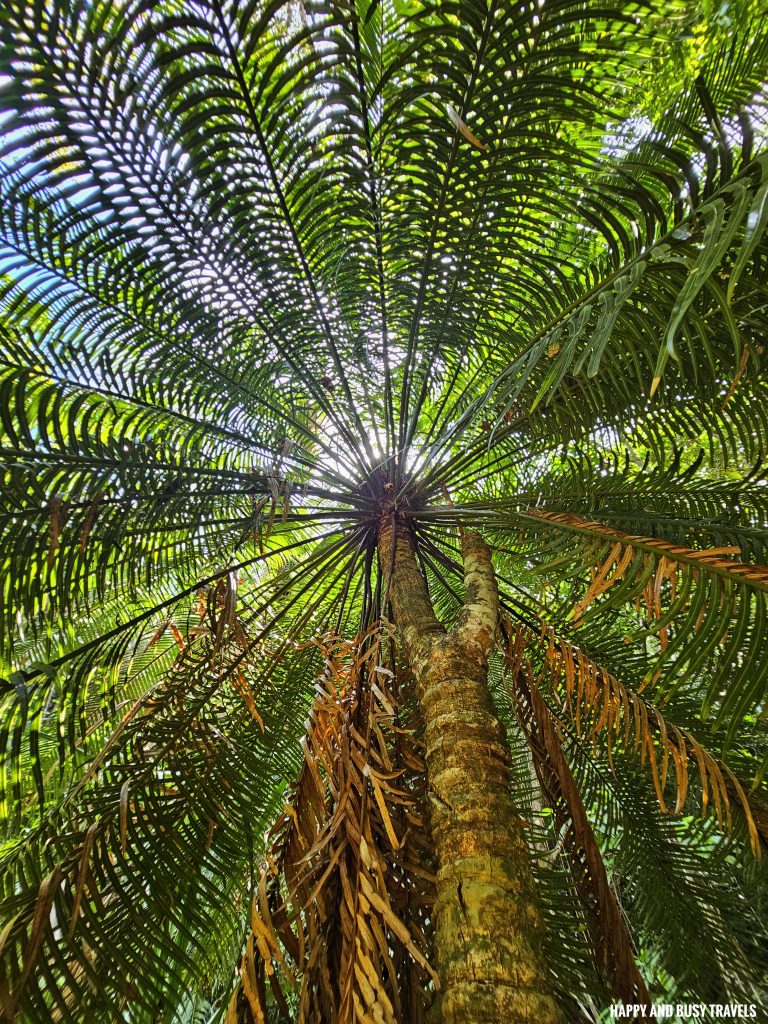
x,y
488,929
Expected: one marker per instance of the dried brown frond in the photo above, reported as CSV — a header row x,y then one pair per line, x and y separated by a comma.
x,y
342,912
599,705
662,560
227,634
90,518
58,516
610,938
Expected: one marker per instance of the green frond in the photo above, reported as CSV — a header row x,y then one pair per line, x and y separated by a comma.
x,y
272,273
679,885
698,614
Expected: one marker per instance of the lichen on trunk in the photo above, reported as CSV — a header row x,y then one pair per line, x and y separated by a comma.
x,y
488,928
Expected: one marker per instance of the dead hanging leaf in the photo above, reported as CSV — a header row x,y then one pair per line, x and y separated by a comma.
x,y
58,516
382,804
158,633
125,792
82,875
462,127
743,362
41,922
342,912
274,489
243,687
604,577
222,607
252,980
756,817
177,635
605,921
231,1016
90,519
209,837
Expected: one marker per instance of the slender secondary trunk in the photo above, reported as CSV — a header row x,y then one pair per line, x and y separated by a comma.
x,y
488,928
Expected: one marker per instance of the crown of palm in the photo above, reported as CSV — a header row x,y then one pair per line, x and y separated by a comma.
x,y
274,272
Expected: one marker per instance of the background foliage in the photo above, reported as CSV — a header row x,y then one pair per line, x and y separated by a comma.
x,y
266,267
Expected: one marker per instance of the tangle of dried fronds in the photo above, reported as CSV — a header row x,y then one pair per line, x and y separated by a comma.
x,y
342,912
599,705
221,627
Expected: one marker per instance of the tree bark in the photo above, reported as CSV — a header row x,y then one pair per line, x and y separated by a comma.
x,y
488,928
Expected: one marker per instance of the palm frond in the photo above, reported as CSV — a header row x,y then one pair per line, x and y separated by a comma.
x,y
350,860
613,948
597,703
273,274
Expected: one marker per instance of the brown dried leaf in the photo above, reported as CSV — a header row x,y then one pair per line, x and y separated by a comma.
x,y
652,736
462,127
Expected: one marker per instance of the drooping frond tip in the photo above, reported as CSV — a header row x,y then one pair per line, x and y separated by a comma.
x,y
601,707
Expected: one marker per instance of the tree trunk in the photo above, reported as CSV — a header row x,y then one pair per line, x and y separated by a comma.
x,y
488,929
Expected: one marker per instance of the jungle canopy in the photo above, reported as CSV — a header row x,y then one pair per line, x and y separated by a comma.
x,y
383,417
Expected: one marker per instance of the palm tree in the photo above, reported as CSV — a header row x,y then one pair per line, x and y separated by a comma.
x,y
383,417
